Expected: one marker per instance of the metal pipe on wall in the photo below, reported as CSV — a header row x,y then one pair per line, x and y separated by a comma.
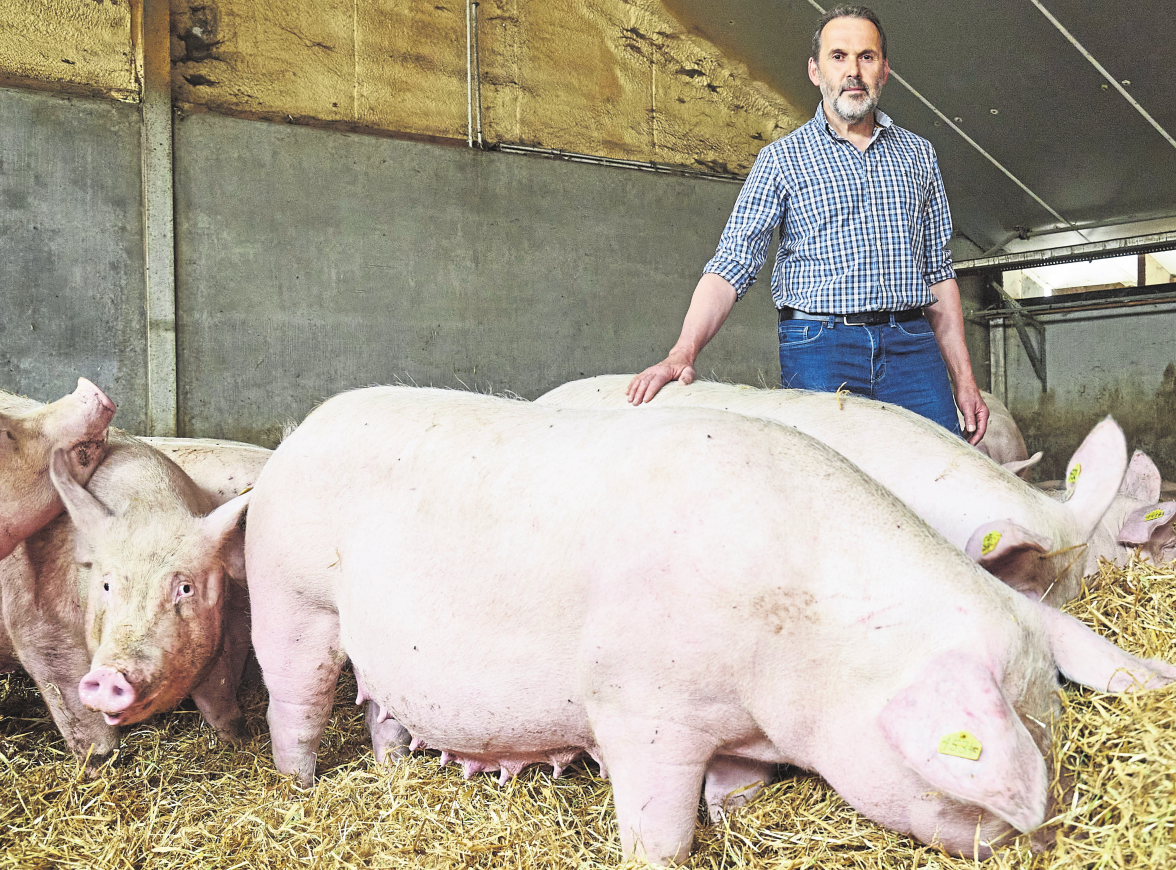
x,y
469,75
477,78
473,78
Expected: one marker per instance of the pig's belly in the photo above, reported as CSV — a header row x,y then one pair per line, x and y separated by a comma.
x,y
488,696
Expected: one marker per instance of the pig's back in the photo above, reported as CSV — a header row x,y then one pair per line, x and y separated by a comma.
x,y
945,481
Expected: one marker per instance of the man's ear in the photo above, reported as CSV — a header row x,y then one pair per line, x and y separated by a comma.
x,y
814,73
885,70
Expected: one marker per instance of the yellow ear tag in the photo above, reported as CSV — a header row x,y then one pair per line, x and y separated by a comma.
x,y
988,543
1072,477
961,744
246,489
1154,515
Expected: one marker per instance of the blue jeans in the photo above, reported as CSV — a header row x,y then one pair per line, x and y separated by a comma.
x,y
897,363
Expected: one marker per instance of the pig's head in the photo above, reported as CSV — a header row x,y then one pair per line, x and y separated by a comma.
x,y
1138,519
972,772
76,425
156,591
1051,568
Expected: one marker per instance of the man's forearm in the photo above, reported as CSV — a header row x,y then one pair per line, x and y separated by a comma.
x,y
713,299
946,317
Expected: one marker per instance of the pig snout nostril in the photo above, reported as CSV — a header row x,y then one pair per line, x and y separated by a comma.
x,y
106,689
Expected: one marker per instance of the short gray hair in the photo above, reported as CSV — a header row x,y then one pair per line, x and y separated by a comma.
x,y
863,12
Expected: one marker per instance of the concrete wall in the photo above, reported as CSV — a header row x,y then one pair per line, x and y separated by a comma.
x,y
1112,361
310,261
71,249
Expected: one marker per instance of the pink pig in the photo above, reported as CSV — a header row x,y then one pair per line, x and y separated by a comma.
x,y
29,433
133,600
671,592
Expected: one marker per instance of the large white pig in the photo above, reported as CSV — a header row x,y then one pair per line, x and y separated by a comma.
x,y
1032,542
135,598
671,592
29,433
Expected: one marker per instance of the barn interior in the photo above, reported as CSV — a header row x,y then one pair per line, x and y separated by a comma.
x,y
224,212
227,214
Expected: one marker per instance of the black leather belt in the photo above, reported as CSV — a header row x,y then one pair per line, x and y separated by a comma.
x,y
859,318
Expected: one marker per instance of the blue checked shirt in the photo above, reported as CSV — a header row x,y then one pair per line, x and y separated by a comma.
x,y
858,231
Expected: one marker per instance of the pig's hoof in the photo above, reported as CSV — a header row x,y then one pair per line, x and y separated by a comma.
x,y
234,732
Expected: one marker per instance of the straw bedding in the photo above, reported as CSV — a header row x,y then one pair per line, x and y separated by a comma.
x,y
177,798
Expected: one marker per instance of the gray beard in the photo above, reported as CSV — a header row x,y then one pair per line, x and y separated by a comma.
x,y
848,108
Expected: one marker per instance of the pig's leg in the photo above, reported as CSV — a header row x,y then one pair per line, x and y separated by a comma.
x,y
297,645
51,647
657,771
1095,662
390,739
731,782
216,697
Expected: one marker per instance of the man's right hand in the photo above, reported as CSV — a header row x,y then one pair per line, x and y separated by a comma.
x,y
712,302
646,385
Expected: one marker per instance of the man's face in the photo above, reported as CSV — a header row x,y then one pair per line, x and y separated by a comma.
x,y
850,71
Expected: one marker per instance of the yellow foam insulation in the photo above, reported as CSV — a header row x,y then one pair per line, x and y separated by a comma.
x,y
70,43
613,78
621,79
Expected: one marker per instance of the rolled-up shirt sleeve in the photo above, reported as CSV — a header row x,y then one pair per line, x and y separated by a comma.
x,y
743,246
937,232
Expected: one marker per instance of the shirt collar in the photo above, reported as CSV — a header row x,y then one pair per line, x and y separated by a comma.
x,y
881,122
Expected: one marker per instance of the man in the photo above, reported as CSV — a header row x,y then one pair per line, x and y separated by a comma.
x,y
863,280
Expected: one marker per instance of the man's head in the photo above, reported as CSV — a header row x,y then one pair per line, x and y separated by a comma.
x,y
849,62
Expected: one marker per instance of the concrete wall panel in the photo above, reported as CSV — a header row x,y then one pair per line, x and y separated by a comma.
x,y
310,262
71,249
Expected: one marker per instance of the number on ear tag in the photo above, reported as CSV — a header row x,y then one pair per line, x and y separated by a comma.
x,y
961,744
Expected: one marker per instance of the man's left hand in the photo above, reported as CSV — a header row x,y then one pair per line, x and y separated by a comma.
x,y
975,413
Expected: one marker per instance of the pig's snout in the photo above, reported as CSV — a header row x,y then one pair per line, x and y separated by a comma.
x,y
106,690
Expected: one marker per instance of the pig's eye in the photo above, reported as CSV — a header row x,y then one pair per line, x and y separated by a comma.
x,y
184,590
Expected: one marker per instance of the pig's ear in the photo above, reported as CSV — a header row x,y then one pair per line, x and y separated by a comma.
x,y
1151,526
224,527
1014,554
955,728
1094,474
1142,480
1092,661
1021,466
90,517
